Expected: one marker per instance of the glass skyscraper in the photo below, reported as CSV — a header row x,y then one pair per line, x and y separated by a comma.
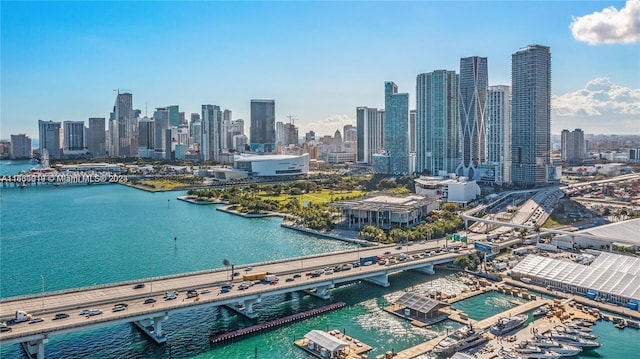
x,y
437,122
474,80
263,125
499,132
530,115
396,128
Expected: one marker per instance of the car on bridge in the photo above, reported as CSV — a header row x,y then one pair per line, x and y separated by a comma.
x,y
36,320
59,316
138,286
149,301
5,328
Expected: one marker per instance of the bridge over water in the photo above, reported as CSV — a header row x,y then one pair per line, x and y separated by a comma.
x,y
149,317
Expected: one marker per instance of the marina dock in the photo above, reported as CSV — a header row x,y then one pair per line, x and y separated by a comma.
x,y
274,323
354,349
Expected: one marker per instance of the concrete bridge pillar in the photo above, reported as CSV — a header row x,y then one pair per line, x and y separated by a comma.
x,y
245,307
380,279
35,348
428,269
153,327
321,292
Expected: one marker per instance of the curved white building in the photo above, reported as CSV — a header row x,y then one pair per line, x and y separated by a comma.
x,y
272,165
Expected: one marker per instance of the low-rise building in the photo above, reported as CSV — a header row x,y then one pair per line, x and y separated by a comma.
x,y
458,190
385,211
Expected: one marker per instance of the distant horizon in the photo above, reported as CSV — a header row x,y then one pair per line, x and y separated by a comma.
x,y
319,61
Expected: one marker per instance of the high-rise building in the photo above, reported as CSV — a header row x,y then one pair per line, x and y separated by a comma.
x,y
226,130
122,130
160,127
174,115
572,144
369,133
412,131
437,122
49,138
146,138
263,131
499,132
280,132
290,134
211,143
74,138
473,83
530,115
337,141
96,140
396,128
183,119
20,146
350,133
310,136
194,117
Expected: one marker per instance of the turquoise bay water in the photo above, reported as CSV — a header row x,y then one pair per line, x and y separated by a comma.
x,y
84,235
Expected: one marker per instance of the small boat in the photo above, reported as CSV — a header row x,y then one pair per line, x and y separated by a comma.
x,y
541,311
621,324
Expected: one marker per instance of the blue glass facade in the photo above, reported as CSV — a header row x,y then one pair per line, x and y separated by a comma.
x,y
396,128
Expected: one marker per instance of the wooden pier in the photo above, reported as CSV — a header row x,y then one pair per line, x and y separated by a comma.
x,y
277,322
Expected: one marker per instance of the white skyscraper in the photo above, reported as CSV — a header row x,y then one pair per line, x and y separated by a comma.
x,y
499,132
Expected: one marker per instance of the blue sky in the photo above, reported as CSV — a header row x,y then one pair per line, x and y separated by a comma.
x,y
317,60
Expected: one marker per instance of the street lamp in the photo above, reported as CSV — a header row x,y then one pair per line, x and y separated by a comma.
x,y
42,277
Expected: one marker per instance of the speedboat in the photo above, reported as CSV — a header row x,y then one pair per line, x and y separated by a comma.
x,y
564,350
581,343
505,325
578,327
459,340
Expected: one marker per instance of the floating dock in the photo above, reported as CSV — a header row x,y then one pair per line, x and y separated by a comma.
x,y
356,348
277,322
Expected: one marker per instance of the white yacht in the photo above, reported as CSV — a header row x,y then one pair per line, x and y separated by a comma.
x,y
505,325
564,350
463,338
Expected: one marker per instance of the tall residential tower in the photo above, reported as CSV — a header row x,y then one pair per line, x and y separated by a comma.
x,y
474,80
530,115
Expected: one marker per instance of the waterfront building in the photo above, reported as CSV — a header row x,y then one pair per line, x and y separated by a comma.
x,y
262,131
211,132
269,166
146,138
49,139
530,115
385,211
121,131
437,122
20,147
499,132
369,133
573,145
612,278
161,125
5,149
74,138
96,139
472,87
396,129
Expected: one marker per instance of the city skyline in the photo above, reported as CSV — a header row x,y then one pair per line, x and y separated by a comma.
x,y
296,57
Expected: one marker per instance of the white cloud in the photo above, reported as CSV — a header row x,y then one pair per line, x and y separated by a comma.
x,y
601,107
609,26
328,126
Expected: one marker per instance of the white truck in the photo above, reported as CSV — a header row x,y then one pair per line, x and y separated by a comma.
x,y
271,278
21,316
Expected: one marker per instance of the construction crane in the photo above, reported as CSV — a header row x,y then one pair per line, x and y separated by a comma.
x,y
119,89
292,119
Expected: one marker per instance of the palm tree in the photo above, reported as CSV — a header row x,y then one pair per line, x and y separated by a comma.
x,y
536,228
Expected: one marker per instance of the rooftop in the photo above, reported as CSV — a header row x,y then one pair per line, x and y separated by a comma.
x,y
386,202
